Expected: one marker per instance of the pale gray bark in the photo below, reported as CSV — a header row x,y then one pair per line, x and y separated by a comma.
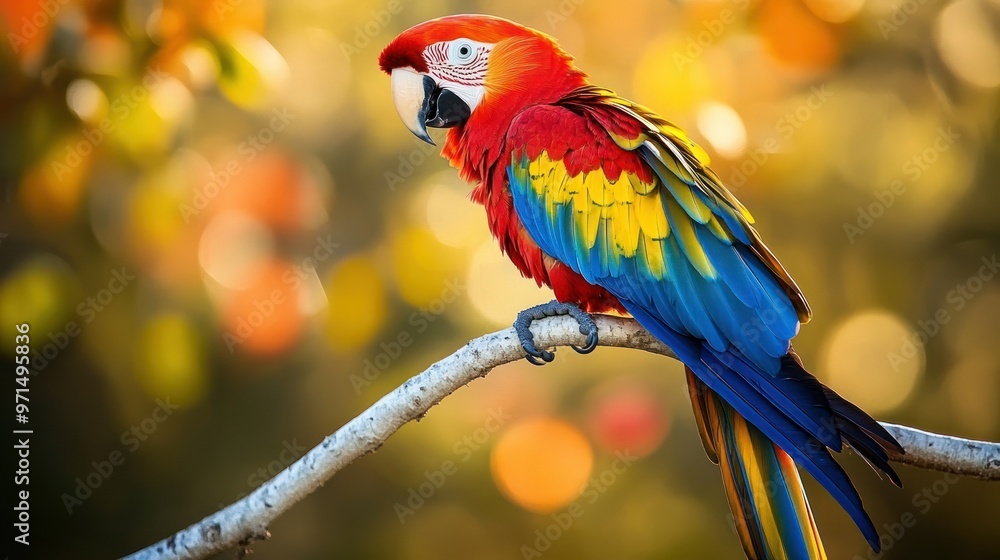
x,y
248,519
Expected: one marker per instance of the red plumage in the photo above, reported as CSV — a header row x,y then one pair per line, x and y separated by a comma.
x,y
474,150
546,130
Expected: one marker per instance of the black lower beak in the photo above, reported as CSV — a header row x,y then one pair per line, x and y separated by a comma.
x,y
442,108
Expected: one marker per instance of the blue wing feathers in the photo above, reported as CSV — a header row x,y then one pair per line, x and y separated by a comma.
x,y
812,455
700,311
731,268
734,226
730,322
780,318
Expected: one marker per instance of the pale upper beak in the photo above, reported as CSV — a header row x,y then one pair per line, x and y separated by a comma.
x,y
421,102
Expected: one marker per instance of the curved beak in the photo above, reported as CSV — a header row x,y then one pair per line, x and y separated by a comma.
x,y
421,102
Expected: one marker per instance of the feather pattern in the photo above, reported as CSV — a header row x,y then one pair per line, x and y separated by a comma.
x,y
632,207
678,217
770,510
617,210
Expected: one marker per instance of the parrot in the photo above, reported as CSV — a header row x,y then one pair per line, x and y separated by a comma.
x,y
617,211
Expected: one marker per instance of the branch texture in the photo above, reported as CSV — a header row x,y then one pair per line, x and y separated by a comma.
x,y
248,519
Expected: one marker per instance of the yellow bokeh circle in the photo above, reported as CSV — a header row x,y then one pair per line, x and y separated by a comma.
x,y
357,300
874,359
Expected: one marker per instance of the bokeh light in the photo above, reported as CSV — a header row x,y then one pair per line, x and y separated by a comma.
x,y
722,127
968,44
86,100
52,187
254,71
495,286
38,292
357,302
628,416
874,360
795,36
264,316
169,360
200,64
541,464
235,248
835,11
423,266
451,216
974,396
670,78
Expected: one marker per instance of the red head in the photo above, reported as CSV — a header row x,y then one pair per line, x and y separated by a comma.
x,y
473,73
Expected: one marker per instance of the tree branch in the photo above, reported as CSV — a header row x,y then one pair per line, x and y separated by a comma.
x,y
248,519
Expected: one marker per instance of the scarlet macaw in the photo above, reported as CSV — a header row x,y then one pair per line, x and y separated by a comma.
x,y
616,209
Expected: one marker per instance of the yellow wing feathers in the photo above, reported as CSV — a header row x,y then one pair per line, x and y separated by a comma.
x,y
630,209
602,222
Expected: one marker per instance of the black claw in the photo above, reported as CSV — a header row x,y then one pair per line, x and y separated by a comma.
x,y
535,356
545,356
590,345
553,308
533,360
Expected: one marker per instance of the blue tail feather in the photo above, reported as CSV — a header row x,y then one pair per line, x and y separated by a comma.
x,y
764,401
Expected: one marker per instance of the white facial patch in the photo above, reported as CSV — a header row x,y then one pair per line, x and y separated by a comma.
x,y
460,66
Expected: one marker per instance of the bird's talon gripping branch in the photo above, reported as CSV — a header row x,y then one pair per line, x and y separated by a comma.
x,y
591,341
537,358
552,309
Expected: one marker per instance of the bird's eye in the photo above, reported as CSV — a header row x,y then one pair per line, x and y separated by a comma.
x,y
461,52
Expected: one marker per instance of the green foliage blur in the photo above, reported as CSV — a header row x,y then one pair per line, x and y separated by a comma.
x,y
226,245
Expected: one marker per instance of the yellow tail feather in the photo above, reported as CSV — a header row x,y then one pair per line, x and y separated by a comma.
x,y
770,510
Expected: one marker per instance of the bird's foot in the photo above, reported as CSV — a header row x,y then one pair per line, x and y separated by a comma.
x,y
552,309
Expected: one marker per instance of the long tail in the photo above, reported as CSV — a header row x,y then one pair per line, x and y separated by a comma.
x,y
790,408
769,506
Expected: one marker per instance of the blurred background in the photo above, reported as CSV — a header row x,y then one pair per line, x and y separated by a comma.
x,y
227,245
